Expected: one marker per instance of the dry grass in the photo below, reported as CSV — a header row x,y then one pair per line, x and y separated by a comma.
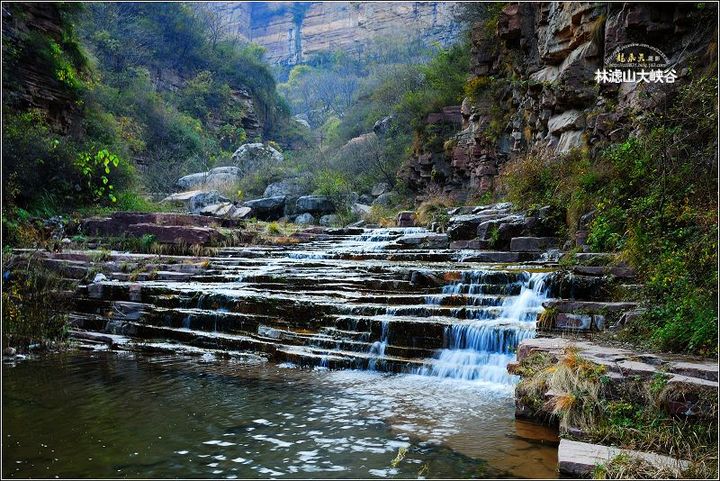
x,y
284,240
434,210
383,216
573,387
631,415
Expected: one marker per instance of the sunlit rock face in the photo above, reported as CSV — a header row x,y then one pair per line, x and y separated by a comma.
x,y
293,31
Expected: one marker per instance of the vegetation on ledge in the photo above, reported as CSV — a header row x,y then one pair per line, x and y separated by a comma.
x,y
654,201
632,414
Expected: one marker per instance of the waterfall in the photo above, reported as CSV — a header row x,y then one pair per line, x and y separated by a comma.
x,y
377,349
481,349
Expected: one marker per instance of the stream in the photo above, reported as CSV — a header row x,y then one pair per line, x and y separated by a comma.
x,y
125,415
314,360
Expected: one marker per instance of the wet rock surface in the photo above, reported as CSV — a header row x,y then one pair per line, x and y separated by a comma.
x,y
341,298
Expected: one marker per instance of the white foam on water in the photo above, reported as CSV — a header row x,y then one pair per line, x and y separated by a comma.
x,y
480,350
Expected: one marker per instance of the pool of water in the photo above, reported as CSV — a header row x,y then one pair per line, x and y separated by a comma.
x,y
124,415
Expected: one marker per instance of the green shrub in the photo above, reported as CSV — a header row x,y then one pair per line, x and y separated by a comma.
x,y
655,202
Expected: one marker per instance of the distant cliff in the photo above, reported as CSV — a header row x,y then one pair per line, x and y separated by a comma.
x,y
294,31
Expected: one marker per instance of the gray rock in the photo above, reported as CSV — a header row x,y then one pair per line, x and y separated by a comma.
x,y
192,180
365,199
288,188
315,204
385,199
241,212
303,120
305,219
218,210
570,140
9,351
507,227
406,219
225,170
577,459
568,120
383,125
100,277
199,201
380,189
360,209
329,220
465,226
251,157
214,178
267,208
183,197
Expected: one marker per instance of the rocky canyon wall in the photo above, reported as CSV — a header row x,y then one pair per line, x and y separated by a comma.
x,y
533,88
293,31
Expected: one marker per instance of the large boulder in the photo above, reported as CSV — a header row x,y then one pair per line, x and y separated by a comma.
x,y
406,218
182,197
290,188
199,201
251,157
384,200
315,204
241,212
500,231
464,226
192,180
213,179
380,189
267,208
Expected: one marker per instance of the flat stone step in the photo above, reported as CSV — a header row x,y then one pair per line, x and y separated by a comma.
x,y
564,305
577,459
533,244
501,256
461,312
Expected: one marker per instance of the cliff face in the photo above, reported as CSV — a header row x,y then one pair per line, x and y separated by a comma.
x,y
293,31
31,80
535,89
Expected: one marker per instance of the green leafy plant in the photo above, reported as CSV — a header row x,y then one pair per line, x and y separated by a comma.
x,y
96,170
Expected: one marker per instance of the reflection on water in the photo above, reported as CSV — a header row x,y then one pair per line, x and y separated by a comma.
x,y
111,415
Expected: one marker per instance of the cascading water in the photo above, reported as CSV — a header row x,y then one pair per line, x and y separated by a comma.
x,y
371,240
482,349
377,349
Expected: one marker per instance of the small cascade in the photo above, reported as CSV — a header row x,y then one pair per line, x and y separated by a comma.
x,y
370,240
481,349
377,349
